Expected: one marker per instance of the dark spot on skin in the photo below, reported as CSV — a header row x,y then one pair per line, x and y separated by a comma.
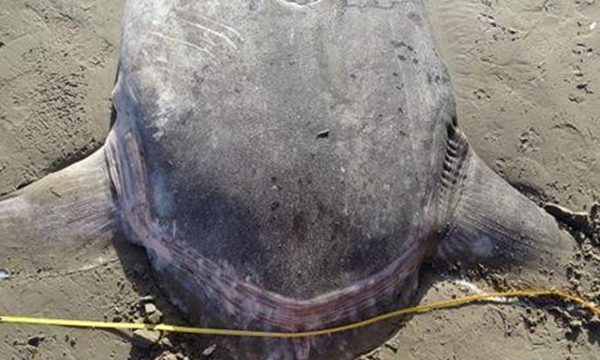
x,y
198,78
337,233
305,182
275,205
253,5
299,226
353,76
415,18
323,134
402,57
321,208
400,45
396,44
1,44
415,61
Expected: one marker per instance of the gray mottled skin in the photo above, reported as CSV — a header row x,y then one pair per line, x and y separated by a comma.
x,y
237,167
290,165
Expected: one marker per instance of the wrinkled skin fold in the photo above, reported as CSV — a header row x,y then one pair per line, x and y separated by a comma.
x,y
288,166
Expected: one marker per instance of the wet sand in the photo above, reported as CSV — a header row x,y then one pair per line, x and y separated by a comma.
x,y
526,76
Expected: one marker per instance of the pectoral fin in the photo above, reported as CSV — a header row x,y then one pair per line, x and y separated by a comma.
x,y
489,222
73,203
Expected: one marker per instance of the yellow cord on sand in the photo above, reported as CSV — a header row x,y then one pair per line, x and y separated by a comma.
x,y
266,334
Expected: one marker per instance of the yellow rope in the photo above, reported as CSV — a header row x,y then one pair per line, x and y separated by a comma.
x,y
266,334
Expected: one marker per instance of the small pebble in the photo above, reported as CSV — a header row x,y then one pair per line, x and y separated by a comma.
x,y
209,350
146,298
149,308
155,317
576,323
4,274
323,134
145,338
166,342
169,356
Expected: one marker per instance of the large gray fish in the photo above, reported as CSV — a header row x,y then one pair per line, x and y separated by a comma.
x,y
288,165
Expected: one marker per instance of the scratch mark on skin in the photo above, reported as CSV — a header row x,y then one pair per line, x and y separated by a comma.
x,y
182,42
224,26
295,5
221,35
209,40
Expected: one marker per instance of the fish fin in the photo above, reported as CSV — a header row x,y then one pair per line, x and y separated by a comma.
x,y
484,220
70,204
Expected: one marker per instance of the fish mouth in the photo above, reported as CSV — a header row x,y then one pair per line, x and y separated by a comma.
x,y
388,289
241,299
364,298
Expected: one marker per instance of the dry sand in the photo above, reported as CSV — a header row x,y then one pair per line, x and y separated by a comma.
x,y
526,76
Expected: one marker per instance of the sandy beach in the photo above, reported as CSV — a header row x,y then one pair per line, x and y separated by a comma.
x,y
526,77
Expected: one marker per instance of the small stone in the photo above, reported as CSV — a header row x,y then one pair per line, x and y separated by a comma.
x,y
166,342
169,356
209,350
155,317
387,354
392,346
146,298
4,274
149,308
145,338
576,323
323,134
